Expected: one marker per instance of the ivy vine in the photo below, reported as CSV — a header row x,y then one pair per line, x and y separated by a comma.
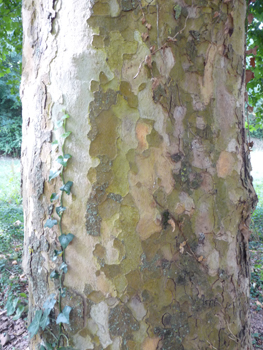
x,y
43,317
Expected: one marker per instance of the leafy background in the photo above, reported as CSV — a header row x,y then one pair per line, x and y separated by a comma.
x,y
254,62
10,72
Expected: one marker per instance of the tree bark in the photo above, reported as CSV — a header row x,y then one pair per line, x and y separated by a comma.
x,y
161,197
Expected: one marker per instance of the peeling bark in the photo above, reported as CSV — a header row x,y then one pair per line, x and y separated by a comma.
x,y
162,194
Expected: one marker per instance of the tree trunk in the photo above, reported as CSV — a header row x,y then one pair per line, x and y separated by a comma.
x,y
161,197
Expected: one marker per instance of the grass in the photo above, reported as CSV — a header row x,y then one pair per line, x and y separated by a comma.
x,y
256,240
12,281
10,181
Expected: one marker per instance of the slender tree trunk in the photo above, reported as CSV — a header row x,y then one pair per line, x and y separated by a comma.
x,y
161,197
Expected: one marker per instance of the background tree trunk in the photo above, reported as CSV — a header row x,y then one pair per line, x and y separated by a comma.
x,y
161,200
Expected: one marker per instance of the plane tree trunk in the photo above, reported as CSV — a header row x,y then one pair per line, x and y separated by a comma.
x,y
161,198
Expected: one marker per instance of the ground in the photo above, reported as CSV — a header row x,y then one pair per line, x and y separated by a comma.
x,y
13,333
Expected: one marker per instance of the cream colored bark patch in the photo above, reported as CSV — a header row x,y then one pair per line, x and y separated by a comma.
x,y
114,8
186,205
165,61
200,123
82,343
208,81
213,263
137,308
100,314
225,164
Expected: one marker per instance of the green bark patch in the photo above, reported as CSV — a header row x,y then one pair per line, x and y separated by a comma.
x,y
125,89
102,102
128,5
105,141
98,196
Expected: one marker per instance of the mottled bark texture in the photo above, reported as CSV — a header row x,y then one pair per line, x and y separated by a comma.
x,y
162,195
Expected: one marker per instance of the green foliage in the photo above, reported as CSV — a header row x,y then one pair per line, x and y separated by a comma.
x,y
11,243
54,275
10,181
256,287
177,10
50,223
11,235
255,126
53,174
16,304
256,252
35,324
10,110
10,71
60,210
257,340
255,61
10,32
67,187
11,240
63,160
63,317
65,239
9,232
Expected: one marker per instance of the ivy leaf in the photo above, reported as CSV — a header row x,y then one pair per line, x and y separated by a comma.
x,y
23,295
54,174
50,302
63,160
63,317
50,223
54,197
57,253
60,210
11,306
54,142
66,188
177,10
48,306
60,122
34,326
66,134
64,267
42,348
20,309
63,292
54,274
44,322
65,239
48,346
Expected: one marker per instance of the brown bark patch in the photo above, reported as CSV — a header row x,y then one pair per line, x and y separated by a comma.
x,y
150,343
225,164
142,130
